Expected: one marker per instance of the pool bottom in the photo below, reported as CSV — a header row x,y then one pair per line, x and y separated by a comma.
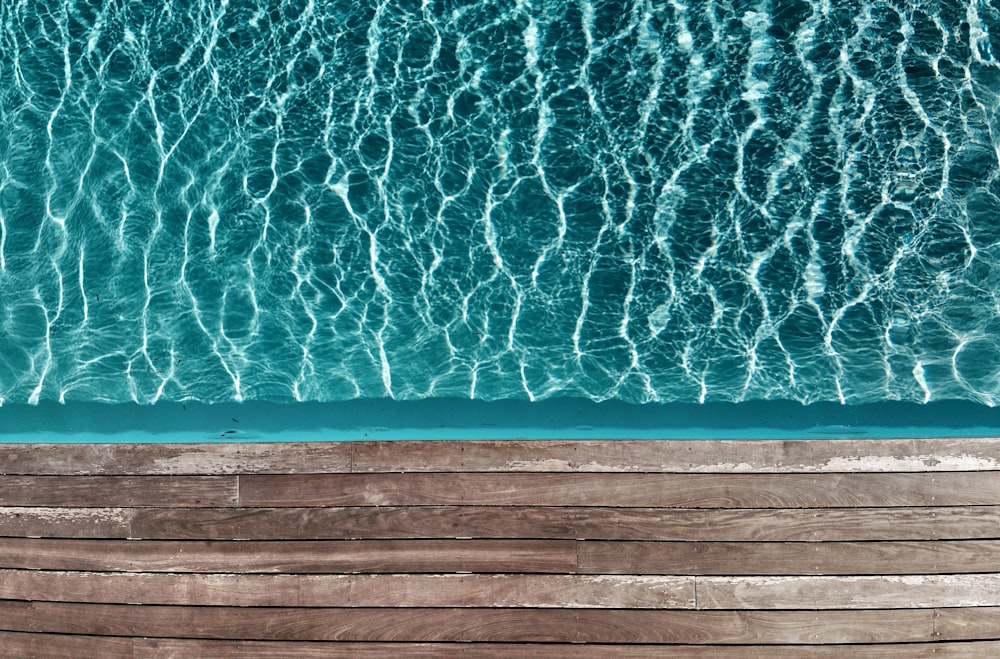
x,y
381,419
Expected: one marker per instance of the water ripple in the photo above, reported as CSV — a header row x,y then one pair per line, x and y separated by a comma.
x,y
677,201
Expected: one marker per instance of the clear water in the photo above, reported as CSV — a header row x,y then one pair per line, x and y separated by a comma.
x,y
680,201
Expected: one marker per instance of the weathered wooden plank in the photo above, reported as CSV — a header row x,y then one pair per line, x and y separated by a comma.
x,y
304,556
782,558
174,459
861,524
83,491
850,592
980,623
811,524
627,490
606,591
728,456
723,456
26,644
186,648
66,522
473,625
353,590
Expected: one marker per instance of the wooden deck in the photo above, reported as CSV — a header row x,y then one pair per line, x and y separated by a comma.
x,y
531,549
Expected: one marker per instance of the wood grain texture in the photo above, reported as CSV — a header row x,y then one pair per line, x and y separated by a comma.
x,y
706,456
486,591
761,549
497,556
21,645
873,592
472,625
625,490
187,648
967,624
84,491
395,522
48,522
174,459
785,558
298,557
27,644
389,590
859,524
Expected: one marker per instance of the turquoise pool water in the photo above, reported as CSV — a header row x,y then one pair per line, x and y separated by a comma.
x,y
380,419
633,203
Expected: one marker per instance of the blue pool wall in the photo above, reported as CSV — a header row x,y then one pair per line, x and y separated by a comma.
x,y
381,419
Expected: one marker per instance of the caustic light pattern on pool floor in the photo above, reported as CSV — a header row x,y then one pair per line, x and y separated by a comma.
x,y
674,201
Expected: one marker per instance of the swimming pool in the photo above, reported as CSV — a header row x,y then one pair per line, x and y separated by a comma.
x,y
623,206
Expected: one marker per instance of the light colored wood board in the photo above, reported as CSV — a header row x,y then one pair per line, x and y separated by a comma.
x,y
187,648
390,590
174,459
472,625
44,521
20,645
625,490
849,592
318,557
708,456
687,456
817,524
972,624
84,491
789,558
